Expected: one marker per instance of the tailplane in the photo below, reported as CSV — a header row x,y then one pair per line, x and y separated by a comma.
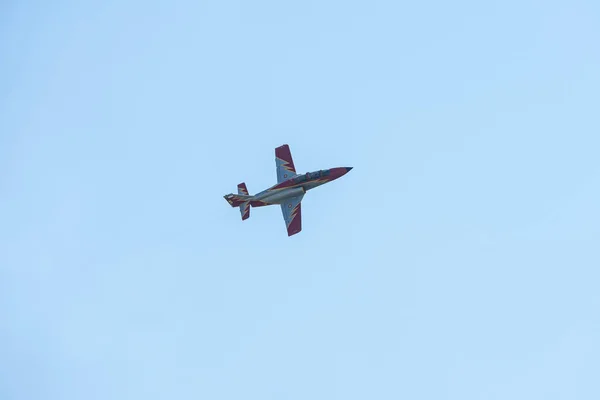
x,y
245,210
245,206
241,199
242,189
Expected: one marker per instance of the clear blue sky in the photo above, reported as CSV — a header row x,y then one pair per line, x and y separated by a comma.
x,y
458,260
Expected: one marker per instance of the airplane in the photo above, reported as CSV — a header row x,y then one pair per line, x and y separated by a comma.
x,y
288,192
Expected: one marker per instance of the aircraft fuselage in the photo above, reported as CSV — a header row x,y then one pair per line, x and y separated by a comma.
x,y
296,186
288,192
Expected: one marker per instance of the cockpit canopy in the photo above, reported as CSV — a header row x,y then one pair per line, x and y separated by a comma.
x,y
311,175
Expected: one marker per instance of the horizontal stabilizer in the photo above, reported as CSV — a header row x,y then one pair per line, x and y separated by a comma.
x,y
245,210
242,189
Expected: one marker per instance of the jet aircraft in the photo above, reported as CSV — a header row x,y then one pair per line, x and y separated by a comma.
x,y
288,192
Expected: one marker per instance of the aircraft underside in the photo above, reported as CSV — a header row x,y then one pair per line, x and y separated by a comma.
x,y
288,192
280,196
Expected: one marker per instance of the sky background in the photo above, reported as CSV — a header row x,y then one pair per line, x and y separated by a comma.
x,y
458,260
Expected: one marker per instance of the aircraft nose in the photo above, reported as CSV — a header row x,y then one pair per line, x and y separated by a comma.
x,y
348,169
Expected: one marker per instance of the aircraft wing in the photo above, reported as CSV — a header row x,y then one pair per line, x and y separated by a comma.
x,y
285,163
292,214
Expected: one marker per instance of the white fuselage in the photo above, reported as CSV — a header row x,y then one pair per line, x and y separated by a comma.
x,y
278,196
